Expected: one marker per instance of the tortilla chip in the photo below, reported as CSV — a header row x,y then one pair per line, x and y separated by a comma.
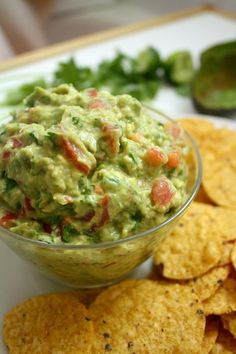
x,y
233,255
219,171
53,323
225,220
206,285
210,335
200,129
148,317
222,137
87,296
229,322
202,197
226,254
193,247
115,291
225,343
224,299
219,164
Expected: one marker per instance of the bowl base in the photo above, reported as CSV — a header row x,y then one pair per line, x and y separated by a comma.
x,y
138,273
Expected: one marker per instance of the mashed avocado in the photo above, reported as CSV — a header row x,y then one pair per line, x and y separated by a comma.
x,y
87,167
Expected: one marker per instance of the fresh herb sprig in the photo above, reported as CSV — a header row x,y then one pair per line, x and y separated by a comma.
x,y
141,76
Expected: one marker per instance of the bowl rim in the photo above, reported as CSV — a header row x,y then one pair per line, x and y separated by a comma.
x,y
140,234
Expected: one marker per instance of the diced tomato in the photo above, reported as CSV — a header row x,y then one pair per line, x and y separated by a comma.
x,y
173,159
60,229
27,204
6,155
98,189
105,214
27,207
75,155
154,157
105,217
175,131
88,216
161,191
104,201
137,137
17,143
5,219
92,92
47,228
112,134
96,104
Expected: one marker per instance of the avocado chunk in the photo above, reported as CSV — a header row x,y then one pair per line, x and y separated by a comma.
x,y
214,85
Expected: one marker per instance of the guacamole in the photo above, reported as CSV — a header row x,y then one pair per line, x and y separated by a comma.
x,y
88,167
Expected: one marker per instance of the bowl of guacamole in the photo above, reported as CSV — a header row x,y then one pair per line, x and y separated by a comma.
x,y
90,183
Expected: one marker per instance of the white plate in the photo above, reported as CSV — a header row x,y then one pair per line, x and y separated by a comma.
x,y
17,280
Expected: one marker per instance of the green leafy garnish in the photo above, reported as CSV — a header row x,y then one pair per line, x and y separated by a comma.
x,y
138,77
69,72
184,90
15,96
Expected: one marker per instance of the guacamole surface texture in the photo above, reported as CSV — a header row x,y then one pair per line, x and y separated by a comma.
x,y
88,167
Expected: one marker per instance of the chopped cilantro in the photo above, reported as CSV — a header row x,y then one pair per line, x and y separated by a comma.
x,y
10,184
18,205
75,120
133,157
84,186
68,232
45,100
137,216
114,180
54,220
52,137
2,133
34,138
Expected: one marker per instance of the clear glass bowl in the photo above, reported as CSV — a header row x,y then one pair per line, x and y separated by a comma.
x,y
96,265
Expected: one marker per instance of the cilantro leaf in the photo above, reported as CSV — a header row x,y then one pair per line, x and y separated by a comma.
x,y
69,72
15,96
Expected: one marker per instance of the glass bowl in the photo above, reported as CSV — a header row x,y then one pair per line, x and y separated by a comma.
x,y
97,265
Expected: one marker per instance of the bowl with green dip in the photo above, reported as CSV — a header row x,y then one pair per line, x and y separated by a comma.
x,y
91,183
